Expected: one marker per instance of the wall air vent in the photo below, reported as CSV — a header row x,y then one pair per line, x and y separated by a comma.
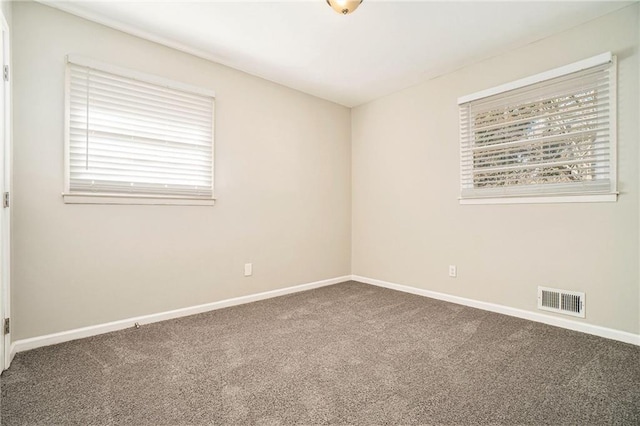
x,y
561,301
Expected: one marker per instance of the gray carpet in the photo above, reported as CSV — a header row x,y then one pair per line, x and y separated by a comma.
x,y
344,354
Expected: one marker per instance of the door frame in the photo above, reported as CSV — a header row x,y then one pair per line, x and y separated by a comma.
x,y
5,186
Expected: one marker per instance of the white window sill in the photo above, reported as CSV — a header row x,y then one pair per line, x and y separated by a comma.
x,y
601,198
135,199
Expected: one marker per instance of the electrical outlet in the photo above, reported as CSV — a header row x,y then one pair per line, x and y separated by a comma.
x,y
453,271
248,269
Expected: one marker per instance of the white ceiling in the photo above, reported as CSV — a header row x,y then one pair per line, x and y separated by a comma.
x,y
382,47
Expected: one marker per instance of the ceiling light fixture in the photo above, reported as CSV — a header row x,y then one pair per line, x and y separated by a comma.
x,y
344,6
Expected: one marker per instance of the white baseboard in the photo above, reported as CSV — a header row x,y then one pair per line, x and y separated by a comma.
x,y
79,333
608,333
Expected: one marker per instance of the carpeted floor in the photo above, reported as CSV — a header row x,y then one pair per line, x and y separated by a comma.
x,y
344,354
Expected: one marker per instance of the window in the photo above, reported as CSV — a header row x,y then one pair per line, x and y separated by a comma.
x,y
136,138
547,138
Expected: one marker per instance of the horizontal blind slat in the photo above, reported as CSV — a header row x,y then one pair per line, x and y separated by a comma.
x,y
106,129
129,136
554,136
570,81
133,85
120,106
179,153
98,94
568,112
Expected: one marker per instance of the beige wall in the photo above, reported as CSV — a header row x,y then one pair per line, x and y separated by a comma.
x,y
5,6
408,225
283,162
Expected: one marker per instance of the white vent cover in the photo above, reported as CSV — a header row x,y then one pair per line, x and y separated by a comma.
x,y
561,301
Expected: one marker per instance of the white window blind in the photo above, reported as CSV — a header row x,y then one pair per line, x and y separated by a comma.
x,y
549,135
136,135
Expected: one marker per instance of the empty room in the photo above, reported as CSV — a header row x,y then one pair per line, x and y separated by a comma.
x,y
320,212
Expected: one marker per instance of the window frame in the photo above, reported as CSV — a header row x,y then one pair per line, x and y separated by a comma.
x,y
78,197
549,197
